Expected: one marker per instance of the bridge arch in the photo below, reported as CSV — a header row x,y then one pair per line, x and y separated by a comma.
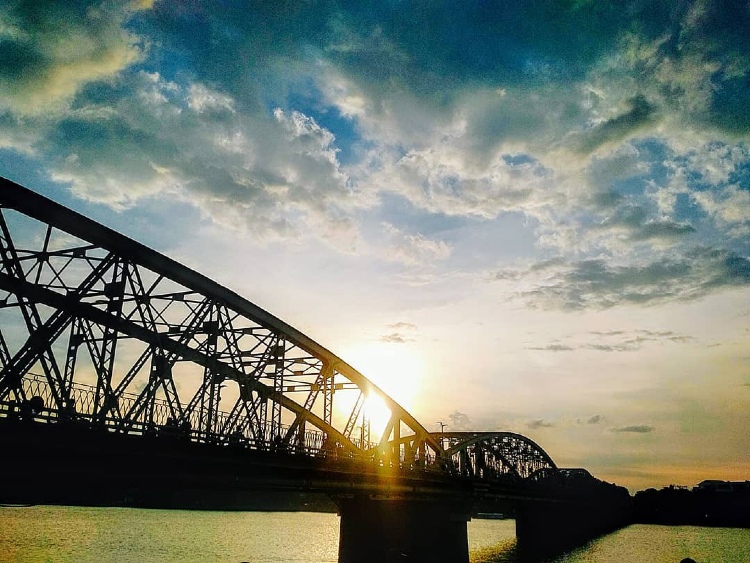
x,y
99,325
495,453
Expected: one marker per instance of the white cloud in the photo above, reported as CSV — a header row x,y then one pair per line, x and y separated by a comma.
x,y
273,176
202,99
413,249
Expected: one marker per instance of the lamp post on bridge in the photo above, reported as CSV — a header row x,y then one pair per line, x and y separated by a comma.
x,y
442,427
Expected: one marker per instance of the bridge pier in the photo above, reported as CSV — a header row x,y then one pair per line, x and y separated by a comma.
x,y
413,531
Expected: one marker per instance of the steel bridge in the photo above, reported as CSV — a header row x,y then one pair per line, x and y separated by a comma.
x,y
100,332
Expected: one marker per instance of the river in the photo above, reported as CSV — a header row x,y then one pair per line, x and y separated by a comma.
x,y
122,535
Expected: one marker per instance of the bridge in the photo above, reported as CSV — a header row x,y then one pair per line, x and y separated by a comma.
x,y
126,377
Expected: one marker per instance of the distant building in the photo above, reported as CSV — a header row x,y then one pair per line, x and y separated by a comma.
x,y
723,486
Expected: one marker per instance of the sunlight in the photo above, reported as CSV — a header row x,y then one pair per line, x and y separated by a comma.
x,y
378,414
397,369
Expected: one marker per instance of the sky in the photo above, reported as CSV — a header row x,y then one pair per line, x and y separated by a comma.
x,y
530,216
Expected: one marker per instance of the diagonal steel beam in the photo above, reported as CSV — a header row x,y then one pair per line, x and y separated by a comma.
x,y
38,347
70,306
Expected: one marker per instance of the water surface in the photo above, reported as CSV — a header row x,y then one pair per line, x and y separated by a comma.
x,y
79,534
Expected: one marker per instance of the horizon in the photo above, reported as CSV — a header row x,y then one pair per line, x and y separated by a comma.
x,y
531,218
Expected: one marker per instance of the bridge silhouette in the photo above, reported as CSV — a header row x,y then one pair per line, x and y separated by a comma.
x,y
125,375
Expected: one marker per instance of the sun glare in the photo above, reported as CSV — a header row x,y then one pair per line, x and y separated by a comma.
x,y
397,369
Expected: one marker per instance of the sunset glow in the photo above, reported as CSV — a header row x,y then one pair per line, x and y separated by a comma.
x,y
397,370
514,216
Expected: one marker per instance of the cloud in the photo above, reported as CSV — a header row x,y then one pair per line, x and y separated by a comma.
x,y
697,66
395,338
442,180
276,176
539,423
413,249
553,348
599,284
618,341
459,421
627,347
636,429
594,133
662,230
638,114
632,223
398,336
403,325
596,419
51,50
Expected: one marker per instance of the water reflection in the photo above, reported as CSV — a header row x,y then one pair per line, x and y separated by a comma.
x,y
504,552
509,551
636,543
124,535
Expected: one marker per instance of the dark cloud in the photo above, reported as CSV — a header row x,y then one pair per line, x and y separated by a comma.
x,y
737,269
659,336
539,423
596,419
662,230
244,111
636,429
434,52
720,36
599,284
51,50
638,114
699,66
635,220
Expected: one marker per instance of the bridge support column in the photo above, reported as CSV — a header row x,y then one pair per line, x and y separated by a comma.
x,y
413,531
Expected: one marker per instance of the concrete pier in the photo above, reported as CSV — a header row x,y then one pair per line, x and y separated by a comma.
x,y
414,531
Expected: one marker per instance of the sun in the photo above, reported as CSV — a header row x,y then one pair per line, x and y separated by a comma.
x,y
397,369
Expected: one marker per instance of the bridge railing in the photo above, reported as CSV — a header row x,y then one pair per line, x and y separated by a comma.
x,y
484,455
81,408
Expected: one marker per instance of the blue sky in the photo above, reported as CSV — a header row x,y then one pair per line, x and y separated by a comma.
x,y
527,216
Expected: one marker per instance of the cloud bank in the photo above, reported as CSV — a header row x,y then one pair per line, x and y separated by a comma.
x,y
618,136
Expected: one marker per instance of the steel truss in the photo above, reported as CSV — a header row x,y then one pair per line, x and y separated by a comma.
x,y
98,329
495,454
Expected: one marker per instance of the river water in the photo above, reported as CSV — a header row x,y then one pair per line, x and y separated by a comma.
x,y
123,535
